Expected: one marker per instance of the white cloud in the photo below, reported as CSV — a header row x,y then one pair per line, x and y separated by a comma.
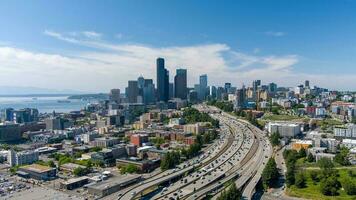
x,y
91,34
94,70
275,33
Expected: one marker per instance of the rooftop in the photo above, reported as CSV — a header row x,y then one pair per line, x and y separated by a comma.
x,y
114,181
37,168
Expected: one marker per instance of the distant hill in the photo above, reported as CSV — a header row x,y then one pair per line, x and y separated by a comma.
x,y
100,96
34,91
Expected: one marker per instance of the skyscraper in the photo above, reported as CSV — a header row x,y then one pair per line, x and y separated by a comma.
x,y
149,92
115,95
272,88
180,84
162,80
132,91
203,86
307,84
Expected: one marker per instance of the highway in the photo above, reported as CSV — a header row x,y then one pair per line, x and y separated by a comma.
x,y
238,156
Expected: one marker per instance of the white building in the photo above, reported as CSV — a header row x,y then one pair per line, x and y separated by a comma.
x,y
318,156
285,129
349,131
349,143
21,158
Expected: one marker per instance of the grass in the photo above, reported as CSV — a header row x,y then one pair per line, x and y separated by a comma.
x,y
282,117
312,191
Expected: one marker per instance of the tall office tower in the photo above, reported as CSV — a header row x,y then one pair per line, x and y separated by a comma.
x,y
149,92
115,95
132,91
220,93
9,114
213,92
162,80
180,84
307,84
255,85
171,91
241,97
227,87
203,84
272,88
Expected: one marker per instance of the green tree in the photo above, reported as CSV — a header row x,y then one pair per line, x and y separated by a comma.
x,y
80,171
300,180
342,157
270,173
349,186
310,158
51,163
302,153
314,176
329,186
232,193
275,138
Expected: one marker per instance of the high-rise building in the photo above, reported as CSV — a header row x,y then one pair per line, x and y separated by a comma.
x,y
213,92
162,81
180,84
171,90
9,114
227,87
272,88
132,91
115,95
203,87
149,92
241,97
307,84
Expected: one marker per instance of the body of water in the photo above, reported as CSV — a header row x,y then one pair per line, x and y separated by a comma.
x,y
43,104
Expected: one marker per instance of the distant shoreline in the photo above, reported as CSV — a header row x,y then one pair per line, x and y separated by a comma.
x,y
36,95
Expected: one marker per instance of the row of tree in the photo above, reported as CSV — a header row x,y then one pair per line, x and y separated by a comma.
x,y
232,193
192,115
270,173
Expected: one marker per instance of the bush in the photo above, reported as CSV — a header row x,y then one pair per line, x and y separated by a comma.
x,y
329,186
300,180
349,186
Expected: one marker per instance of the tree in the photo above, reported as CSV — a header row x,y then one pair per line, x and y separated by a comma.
x,y
300,180
342,157
314,175
275,138
302,153
330,186
327,167
130,168
232,193
79,171
349,186
310,158
270,173
51,163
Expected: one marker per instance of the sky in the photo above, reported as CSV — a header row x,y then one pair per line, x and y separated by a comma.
x,y
94,46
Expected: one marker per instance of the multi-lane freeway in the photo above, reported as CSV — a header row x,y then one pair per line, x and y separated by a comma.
x,y
238,156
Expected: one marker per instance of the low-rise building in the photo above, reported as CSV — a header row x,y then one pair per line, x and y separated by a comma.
x,y
112,185
74,183
38,172
105,142
285,129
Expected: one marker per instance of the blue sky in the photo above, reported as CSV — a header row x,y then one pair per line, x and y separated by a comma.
x,y
98,45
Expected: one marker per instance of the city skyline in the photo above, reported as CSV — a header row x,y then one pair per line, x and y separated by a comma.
x,y
93,53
